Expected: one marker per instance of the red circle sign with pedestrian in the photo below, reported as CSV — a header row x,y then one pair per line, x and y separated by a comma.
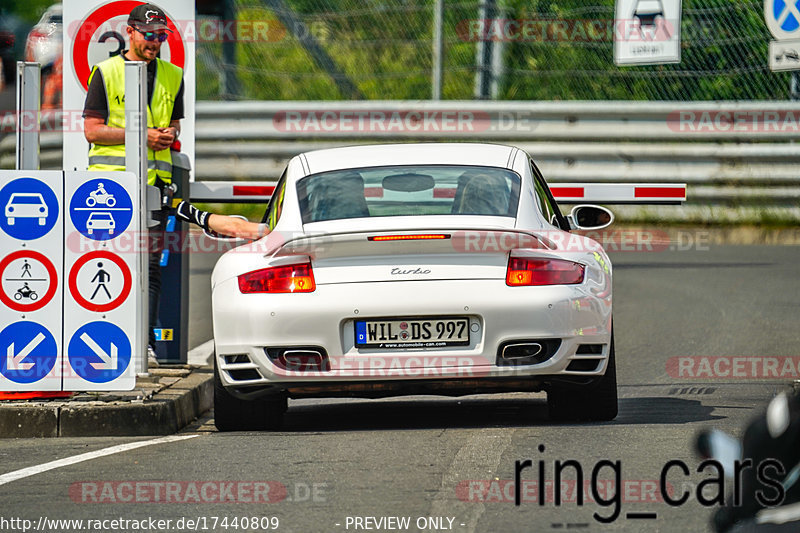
x,y
104,28
100,281
29,280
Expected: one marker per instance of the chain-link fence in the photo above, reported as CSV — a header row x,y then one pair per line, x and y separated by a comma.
x,y
559,50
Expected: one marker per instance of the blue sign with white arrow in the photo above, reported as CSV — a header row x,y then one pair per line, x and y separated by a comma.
x,y
29,352
99,352
101,209
30,208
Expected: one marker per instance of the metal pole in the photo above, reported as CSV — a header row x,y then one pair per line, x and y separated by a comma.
x,y
438,47
29,81
483,52
136,162
230,80
497,67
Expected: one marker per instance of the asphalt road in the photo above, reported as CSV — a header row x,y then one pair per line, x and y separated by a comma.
x,y
436,460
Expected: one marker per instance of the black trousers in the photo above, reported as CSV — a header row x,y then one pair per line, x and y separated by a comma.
x,y
156,245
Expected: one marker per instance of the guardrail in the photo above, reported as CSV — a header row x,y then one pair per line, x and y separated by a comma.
x,y
739,159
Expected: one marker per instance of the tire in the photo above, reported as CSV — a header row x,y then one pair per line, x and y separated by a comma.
x,y
17,296
33,296
234,414
90,201
111,202
596,402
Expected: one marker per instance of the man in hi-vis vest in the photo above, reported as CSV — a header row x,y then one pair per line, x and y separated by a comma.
x,y
104,119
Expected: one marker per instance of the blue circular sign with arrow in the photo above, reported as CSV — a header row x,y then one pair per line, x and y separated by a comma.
x,y
29,352
99,352
30,209
101,209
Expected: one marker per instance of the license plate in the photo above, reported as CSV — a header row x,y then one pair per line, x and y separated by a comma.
x,y
412,332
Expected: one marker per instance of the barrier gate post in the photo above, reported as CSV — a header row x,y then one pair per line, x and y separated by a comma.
x,y
172,329
136,162
29,81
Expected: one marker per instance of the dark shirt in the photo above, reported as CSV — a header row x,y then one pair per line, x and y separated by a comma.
x,y
96,105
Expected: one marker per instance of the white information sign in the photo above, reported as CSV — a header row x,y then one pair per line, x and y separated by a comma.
x,y
101,280
647,32
31,262
95,30
70,288
784,55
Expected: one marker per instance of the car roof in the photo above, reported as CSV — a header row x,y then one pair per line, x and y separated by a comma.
x,y
378,155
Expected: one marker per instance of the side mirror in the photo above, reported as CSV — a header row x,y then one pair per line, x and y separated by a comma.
x,y
224,238
590,217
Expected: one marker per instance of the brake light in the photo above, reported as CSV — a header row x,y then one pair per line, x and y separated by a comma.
x,y
417,237
522,272
289,278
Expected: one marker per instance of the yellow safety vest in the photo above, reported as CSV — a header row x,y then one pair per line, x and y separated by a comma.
x,y
159,113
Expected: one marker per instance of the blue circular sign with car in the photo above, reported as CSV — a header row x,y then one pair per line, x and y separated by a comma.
x,y
30,209
101,209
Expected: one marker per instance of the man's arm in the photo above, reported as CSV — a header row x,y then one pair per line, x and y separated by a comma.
x,y
97,131
224,225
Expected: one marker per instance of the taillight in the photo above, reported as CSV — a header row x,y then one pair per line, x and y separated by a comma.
x,y
289,278
522,271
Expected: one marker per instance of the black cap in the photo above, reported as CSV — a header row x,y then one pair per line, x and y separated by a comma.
x,y
148,17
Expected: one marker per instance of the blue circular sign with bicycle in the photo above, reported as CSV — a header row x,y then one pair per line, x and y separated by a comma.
x,y
101,209
783,18
30,209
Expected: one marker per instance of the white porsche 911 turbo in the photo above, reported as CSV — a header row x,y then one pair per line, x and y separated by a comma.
x,y
414,269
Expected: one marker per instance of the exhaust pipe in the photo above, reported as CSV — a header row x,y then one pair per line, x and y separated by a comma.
x,y
521,350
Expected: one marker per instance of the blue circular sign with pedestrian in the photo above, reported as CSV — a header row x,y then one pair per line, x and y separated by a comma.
x,y
29,352
30,208
101,209
99,352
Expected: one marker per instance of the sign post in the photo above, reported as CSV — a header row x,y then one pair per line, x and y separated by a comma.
x,y
29,79
136,163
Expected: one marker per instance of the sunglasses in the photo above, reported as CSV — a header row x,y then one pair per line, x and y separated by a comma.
x,y
153,36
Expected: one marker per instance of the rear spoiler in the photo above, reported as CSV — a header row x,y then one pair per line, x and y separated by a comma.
x,y
565,193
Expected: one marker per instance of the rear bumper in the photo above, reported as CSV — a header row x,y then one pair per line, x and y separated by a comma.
x,y
245,325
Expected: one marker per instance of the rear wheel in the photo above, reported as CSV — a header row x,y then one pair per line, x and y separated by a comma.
x,y
595,402
234,414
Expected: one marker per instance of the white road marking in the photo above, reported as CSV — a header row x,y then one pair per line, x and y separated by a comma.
x,y
479,458
38,469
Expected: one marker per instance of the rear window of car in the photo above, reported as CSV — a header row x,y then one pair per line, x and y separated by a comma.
x,y
409,191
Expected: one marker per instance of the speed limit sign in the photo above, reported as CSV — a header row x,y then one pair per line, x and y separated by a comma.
x,y
95,31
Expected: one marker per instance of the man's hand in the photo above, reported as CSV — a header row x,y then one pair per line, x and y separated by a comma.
x,y
160,138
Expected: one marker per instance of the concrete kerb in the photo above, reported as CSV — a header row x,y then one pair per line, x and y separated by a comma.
x,y
152,408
